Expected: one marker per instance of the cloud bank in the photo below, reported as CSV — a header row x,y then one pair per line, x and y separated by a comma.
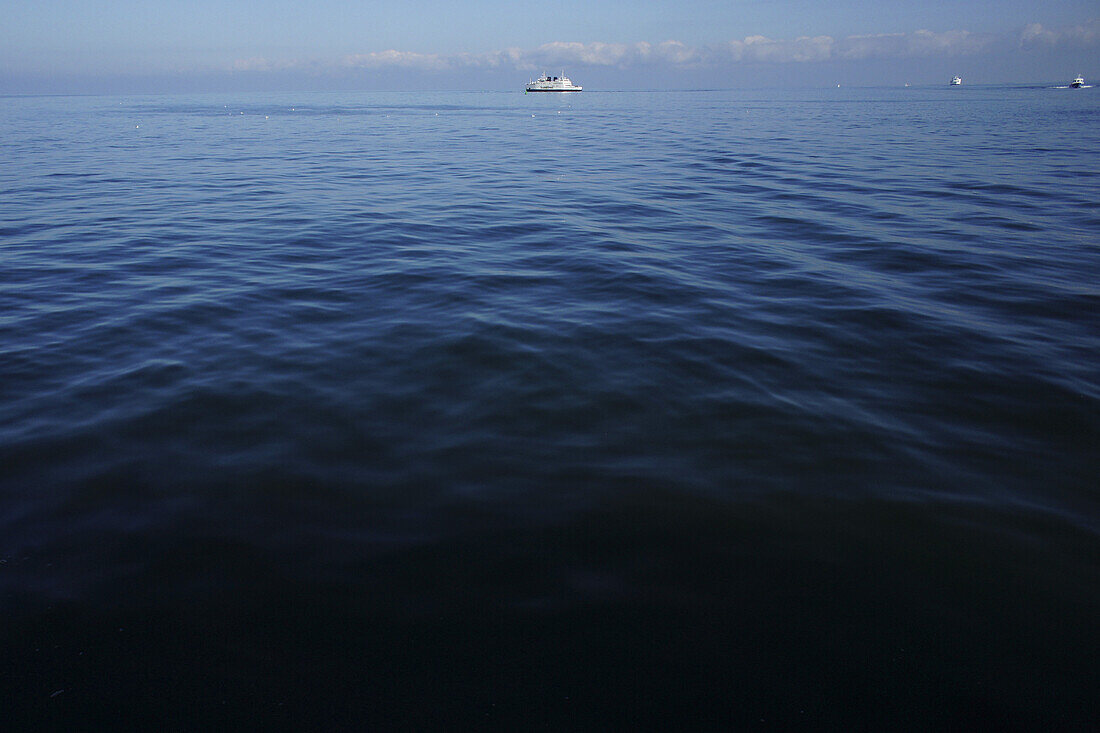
x,y
674,54
1086,34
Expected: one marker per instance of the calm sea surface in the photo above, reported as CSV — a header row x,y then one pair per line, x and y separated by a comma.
x,y
715,410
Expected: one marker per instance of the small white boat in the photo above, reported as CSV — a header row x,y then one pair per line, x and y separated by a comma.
x,y
1078,82
956,81
552,84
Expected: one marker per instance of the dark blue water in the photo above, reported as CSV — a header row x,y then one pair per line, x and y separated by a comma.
x,y
422,410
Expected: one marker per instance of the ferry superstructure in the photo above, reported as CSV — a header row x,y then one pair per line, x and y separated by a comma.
x,y
552,84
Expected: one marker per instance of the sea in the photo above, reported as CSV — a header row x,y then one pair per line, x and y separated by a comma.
x,y
677,410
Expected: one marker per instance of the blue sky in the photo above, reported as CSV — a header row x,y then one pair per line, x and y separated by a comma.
x,y
95,45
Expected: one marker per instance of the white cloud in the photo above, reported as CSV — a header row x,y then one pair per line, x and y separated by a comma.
x,y
1036,33
613,54
258,63
763,49
919,43
675,54
1085,34
397,59
680,54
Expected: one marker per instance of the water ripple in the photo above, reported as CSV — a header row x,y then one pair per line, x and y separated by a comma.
x,y
304,336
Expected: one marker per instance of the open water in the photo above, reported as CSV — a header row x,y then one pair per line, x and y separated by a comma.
x,y
708,410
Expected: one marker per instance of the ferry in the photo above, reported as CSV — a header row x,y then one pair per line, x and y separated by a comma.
x,y
1078,82
552,84
956,81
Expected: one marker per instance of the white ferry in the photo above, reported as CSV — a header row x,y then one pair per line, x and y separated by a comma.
x,y
956,81
1078,82
552,84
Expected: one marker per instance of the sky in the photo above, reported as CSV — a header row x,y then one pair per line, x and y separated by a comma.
x,y
89,46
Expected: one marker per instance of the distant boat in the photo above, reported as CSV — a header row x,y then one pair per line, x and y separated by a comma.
x,y
1078,82
956,81
906,83
552,84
